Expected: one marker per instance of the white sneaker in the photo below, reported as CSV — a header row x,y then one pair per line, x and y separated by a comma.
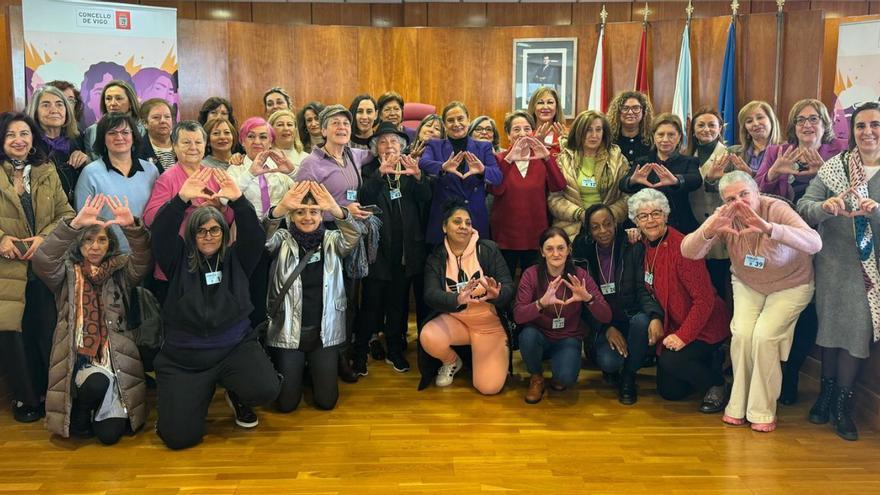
x,y
446,372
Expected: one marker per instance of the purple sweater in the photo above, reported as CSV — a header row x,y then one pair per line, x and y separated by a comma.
x,y
525,312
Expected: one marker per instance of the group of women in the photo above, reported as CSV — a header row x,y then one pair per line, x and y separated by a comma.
x,y
286,243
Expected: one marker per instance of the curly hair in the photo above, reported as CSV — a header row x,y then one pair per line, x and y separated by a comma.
x,y
647,115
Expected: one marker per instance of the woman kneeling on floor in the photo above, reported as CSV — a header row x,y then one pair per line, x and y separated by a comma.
x,y
96,379
208,335
466,282
551,297
310,327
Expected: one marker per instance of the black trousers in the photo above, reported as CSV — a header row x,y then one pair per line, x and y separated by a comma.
x,y
322,365
521,259
692,369
384,307
187,379
89,397
259,288
802,342
25,354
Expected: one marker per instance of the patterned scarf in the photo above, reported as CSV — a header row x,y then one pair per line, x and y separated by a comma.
x,y
833,174
91,330
307,240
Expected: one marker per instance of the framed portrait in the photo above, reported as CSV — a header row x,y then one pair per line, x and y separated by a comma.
x,y
548,62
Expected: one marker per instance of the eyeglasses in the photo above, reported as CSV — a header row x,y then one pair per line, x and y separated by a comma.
x,y
212,232
812,119
126,133
653,215
633,109
482,129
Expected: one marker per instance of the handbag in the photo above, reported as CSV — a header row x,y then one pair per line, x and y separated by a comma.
x,y
263,327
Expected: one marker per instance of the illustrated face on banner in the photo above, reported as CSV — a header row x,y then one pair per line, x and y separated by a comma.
x,y
93,102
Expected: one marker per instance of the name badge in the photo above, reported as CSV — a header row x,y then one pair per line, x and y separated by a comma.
x,y
649,278
609,288
395,194
351,195
315,257
756,262
213,278
558,323
588,182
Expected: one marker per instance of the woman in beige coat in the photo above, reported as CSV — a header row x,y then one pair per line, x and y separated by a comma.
x,y
592,166
32,202
96,379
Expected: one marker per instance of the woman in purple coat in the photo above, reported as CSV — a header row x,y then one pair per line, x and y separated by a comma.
x,y
461,168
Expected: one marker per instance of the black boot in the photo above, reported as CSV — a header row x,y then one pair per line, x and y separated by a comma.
x,y
822,408
627,393
80,422
841,416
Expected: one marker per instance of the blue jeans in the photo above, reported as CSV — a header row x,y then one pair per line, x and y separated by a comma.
x,y
636,333
564,355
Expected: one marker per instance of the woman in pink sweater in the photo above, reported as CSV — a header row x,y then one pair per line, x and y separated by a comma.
x,y
771,250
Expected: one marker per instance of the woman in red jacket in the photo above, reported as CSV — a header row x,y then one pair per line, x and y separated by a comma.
x,y
519,213
696,320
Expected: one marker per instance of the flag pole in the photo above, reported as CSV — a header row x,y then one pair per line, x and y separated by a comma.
x,y
780,26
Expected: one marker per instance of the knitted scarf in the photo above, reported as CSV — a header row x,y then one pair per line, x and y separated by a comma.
x,y
90,329
834,175
308,240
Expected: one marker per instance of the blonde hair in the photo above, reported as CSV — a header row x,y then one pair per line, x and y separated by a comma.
x,y
297,143
744,137
533,102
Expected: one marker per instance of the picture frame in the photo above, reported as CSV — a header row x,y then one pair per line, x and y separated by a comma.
x,y
541,62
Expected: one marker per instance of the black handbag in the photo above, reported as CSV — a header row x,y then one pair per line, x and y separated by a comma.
x,y
263,327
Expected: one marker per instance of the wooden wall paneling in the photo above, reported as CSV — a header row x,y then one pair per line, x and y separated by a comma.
x,y
665,11
326,71
6,93
829,61
388,60
449,67
765,6
802,54
708,43
665,47
758,52
282,13
840,9
341,14
415,14
224,11
203,58
622,45
16,51
496,71
457,15
588,12
386,15
529,14
874,7
185,10
252,71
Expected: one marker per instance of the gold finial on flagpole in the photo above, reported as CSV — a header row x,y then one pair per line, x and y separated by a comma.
x,y
603,15
647,12
734,7
689,10
779,5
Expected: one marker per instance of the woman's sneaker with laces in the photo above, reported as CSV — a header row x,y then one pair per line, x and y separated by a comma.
x,y
446,372
245,417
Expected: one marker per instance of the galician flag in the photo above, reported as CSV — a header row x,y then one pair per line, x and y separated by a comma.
x,y
598,90
681,98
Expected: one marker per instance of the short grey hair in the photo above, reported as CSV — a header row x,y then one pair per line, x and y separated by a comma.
x,y
736,177
646,197
188,125
374,147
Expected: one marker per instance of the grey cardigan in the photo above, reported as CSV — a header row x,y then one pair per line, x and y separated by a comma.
x,y
284,332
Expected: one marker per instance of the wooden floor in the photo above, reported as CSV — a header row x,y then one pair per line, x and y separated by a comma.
x,y
386,438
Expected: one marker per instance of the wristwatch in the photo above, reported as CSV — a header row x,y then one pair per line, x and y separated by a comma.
x,y
539,305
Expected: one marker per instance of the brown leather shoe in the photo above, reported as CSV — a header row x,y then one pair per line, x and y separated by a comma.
x,y
536,389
